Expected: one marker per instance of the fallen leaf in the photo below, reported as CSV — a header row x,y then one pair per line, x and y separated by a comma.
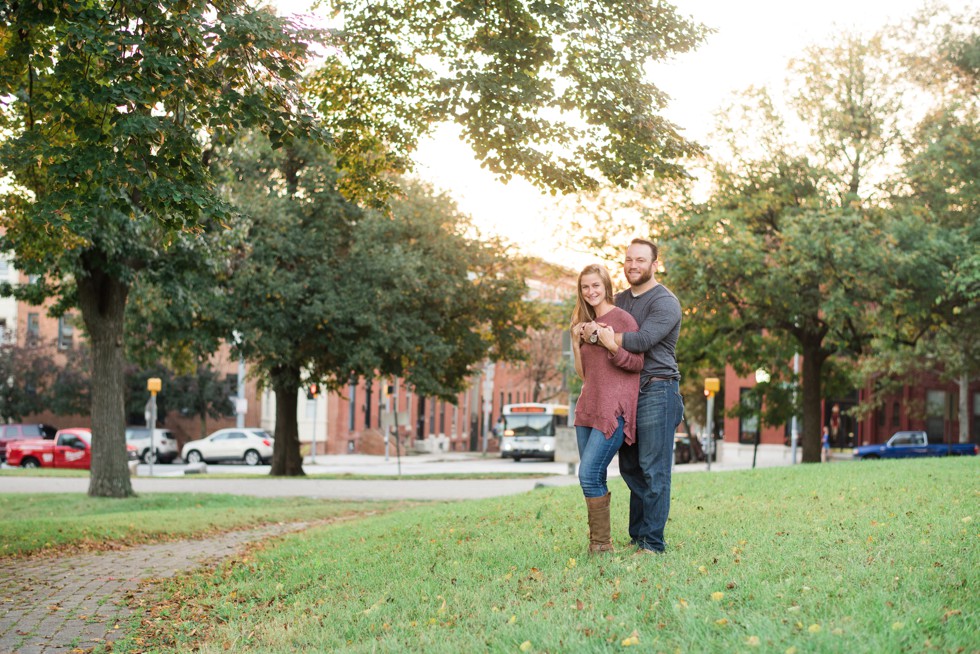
x,y
721,622
717,596
753,641
814,629
526,646
634,639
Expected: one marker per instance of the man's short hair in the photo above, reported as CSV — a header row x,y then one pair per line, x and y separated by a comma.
x,y
649,244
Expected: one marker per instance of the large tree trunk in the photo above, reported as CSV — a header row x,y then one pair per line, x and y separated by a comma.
x,y
102,300
286,458
812,363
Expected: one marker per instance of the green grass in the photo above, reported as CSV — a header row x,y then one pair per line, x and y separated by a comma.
x,y
71,521
845,557
42,472
63,472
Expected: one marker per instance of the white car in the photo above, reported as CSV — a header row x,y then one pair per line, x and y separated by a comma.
x,y
250,444
164,444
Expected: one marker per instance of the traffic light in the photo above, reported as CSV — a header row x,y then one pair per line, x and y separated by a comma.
x,y
312,391
711,386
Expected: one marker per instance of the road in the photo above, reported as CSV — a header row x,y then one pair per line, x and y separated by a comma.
x,y
171,477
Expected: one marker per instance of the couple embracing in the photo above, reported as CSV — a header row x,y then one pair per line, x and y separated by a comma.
x,y
630,402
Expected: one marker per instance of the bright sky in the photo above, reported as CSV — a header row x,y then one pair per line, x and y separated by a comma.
x,y
754,41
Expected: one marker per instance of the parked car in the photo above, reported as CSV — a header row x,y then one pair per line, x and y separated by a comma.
x,y
164,444
250,444
907,444
19,431
682,449
70,448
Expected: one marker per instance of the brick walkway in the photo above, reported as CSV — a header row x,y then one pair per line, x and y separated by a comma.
x,y
74,603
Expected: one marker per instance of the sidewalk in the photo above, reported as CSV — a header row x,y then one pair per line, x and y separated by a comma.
x,y
53,605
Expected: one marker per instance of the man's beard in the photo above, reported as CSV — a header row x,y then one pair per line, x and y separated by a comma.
x,y
645,276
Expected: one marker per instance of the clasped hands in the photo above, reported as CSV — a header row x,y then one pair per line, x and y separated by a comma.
x,y
605,336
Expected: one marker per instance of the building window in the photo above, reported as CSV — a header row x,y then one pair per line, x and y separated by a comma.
x,y
4,267
66,333
936,416
33,329
976,418
352,407
748,426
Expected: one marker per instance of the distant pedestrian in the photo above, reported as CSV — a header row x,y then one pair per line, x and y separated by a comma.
x,y
825,445
605,413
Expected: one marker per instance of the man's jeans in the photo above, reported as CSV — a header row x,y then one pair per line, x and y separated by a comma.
x,y
595,452
646,465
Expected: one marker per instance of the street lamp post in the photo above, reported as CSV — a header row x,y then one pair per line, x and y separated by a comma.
x,y
761,377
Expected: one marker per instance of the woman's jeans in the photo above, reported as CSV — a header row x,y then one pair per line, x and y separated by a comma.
x,y
595,452
646,465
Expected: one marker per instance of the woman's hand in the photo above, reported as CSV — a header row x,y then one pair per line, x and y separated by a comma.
x,y
607,338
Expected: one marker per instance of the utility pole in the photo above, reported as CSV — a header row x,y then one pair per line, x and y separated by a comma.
x,y
794,430
711,386
153,384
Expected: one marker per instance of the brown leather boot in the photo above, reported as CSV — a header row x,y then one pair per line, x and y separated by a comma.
x,y
599,539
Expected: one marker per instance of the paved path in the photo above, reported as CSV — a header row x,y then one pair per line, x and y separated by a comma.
x,y
50,605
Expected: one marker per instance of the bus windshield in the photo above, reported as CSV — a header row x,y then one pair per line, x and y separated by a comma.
x,y
529,425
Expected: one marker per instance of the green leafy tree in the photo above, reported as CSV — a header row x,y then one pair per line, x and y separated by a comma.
x,y
110,111
69,390
555,92
321,291
934,210
24,372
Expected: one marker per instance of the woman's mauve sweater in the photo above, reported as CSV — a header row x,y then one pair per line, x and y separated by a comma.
x,y
612,382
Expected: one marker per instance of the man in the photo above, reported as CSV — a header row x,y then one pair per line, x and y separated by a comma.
x,y
646,465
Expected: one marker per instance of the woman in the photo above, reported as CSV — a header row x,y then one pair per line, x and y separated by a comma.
x,y
605,414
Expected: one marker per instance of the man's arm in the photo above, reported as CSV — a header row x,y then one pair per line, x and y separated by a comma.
x,y
662,317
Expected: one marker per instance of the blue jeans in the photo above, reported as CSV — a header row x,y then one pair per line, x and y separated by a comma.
x,y
595,452
646,465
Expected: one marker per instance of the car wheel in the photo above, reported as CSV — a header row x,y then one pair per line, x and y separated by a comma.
x,y
148,456
517,459
252,458
30,463
870,457
194,457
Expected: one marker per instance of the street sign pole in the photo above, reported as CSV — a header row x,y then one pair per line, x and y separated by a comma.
x,y
711,386
153,384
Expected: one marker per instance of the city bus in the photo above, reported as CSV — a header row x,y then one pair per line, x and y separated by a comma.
x,y
529,430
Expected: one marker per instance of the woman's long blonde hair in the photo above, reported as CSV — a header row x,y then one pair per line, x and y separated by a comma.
x,y
583,310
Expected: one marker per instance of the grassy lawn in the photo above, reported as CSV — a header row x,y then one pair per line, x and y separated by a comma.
x,y
42,472
844,557
63,472
37,522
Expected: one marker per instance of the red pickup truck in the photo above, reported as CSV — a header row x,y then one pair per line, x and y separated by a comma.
x,y
71,448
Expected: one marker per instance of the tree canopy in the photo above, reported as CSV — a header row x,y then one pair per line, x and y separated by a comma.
x,y
322,291
554,92
109,113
